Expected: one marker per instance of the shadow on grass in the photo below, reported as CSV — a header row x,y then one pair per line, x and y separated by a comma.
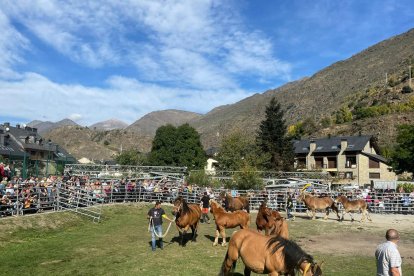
x,y
187,237
211,238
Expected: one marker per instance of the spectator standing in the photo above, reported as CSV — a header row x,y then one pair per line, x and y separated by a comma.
x,y
155,216
289,206
205,202
387,255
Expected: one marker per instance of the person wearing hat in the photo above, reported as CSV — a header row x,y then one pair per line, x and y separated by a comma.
x,y
155,215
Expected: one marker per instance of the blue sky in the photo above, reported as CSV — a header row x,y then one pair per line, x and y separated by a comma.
x,y
95,60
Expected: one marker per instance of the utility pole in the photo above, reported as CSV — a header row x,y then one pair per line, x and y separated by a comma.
x,y
409,70
386,79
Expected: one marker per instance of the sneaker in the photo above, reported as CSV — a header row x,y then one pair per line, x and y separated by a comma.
x,y
153,249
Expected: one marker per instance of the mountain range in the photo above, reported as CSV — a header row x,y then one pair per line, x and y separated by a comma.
x,y
374,80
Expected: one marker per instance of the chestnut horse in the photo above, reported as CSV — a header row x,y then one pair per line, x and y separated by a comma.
x,y
353,205
316,203
186,216
265,218
226,220
236,203
267,255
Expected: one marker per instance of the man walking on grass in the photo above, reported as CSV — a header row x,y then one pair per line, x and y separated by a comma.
x,y
155,216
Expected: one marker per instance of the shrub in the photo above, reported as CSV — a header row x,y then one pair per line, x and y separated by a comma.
x,y
407,187
406,89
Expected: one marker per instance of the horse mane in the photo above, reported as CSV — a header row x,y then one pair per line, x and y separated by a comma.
x,y
293,254
218,206
185,208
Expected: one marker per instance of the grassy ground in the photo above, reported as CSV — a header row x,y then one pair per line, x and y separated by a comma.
x,y
65,244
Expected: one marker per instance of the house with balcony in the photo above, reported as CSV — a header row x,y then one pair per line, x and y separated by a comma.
x,y
23,146
348,159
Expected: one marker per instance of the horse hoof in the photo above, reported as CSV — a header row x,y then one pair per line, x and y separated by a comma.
x,y
224,244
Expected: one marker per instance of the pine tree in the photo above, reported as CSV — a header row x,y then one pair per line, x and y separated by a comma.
x,y
272,138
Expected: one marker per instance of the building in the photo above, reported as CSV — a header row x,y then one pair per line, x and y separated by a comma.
x,y
348,159
22,145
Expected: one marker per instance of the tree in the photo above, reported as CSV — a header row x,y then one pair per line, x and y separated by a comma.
x,y
177,147
237,151
131,157
272,138
402,157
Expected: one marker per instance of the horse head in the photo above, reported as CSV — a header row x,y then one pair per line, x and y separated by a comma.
x,y
315,269
339,198
178,205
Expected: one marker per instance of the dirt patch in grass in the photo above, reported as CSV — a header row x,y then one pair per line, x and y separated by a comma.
x,y
362,238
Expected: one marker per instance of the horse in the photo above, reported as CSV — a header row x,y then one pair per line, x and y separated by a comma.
x,y
186,216
236,203
353,205
315,203
265,218
267,255
226,220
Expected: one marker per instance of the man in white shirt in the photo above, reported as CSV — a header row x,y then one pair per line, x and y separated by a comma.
x,y
387,255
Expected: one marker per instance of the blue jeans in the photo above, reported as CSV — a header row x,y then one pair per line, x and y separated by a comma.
x,y
158,230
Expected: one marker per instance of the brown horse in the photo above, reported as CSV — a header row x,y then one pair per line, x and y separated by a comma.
x,y
316,203
186,216
267,255
235,203
265,218
353,205
226,220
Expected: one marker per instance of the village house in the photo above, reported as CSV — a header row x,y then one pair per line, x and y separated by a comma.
x,y
348,159
24,146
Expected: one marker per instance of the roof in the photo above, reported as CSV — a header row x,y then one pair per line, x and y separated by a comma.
x,y
332,144
375,156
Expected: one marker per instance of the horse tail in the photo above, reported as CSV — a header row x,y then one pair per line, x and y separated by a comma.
x,y
223,266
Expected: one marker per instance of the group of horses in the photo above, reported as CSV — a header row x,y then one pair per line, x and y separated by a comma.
x,y
272,253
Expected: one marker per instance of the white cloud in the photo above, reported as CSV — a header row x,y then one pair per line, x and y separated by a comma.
x,y
185,54
34,96
11,45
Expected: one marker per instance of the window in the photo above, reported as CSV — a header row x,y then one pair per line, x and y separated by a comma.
x,y
319,162
349,175
301,162
373,164
374,175
350,162
331,162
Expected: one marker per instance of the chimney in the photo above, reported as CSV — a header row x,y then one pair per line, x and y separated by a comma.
x,y
312,145
344,144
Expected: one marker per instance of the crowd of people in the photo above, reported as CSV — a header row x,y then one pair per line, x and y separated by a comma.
x,y
21,196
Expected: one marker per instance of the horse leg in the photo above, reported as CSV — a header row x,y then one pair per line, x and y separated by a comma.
x,y
326,213
194,230
217,237
313,214
369,217
223,235
352,217
247,271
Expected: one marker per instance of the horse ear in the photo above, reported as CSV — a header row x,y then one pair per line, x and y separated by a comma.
x,y
321,264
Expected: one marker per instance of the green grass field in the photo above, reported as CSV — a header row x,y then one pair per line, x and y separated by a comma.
x,y
67,244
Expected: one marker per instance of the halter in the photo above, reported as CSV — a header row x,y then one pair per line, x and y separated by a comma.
x,y
306,268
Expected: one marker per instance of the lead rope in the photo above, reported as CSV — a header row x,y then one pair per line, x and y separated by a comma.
x,y
153,228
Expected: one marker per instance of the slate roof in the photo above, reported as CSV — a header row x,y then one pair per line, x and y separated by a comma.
x,y
332,144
